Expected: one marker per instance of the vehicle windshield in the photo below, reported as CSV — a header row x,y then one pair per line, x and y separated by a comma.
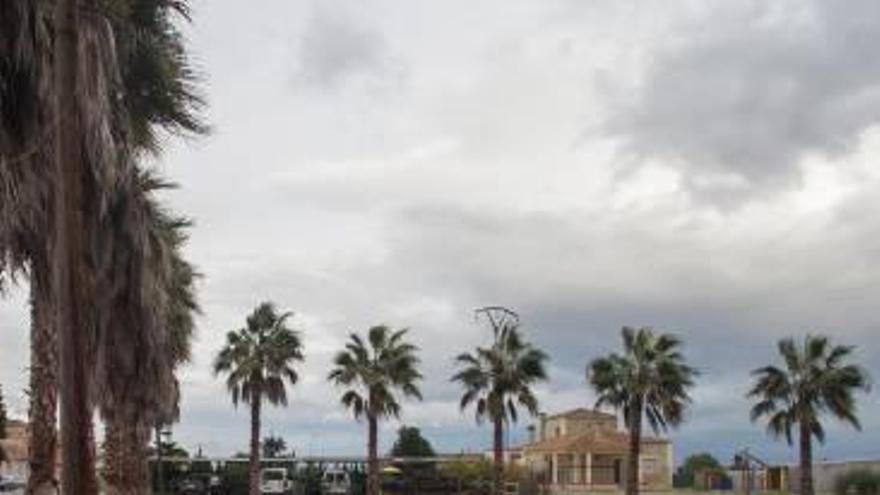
x,y
334,477
273,475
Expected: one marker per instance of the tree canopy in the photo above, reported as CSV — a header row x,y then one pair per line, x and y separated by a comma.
x,y
498,378
411,443
259,358
816,378
684,475
274,447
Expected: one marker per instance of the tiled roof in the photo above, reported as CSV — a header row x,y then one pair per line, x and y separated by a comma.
x,y
597,442
583,412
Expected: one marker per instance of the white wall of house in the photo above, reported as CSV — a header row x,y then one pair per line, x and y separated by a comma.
x,y
17,469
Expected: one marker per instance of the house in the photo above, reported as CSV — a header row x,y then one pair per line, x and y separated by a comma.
x,y
15,445
583,450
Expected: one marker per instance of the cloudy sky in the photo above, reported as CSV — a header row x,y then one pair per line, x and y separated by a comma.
x,y
705,168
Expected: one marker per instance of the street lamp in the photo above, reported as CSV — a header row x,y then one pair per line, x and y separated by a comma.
x,y
161,431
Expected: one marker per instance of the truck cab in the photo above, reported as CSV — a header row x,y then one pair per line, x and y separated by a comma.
x,y
275,481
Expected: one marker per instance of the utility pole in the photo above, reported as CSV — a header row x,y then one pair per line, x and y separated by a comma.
x,y
71,284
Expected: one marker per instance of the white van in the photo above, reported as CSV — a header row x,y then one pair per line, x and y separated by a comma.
x,y
336,482
275,481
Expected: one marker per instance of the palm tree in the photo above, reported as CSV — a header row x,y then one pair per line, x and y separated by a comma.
x,y
372,372
153,70
498,378
650,379
126,468
257,360
274,447
816,378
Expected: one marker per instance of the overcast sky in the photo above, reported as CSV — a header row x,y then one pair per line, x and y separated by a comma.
x,y
702,167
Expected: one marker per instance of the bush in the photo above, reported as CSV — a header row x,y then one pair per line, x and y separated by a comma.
x,y
468,470
859,482
310,478
236,478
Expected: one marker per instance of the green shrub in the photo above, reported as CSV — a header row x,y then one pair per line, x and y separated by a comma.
x,y
310,478
858,482
235,478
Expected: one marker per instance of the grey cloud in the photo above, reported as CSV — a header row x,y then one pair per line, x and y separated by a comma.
x,y
741,96
334,50
545,266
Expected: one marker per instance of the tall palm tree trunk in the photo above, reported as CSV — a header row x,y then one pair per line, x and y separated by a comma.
x,y
126,466
806,459
256,405
70,284
43,442
635,449
498,451
372,455
137,464
112,471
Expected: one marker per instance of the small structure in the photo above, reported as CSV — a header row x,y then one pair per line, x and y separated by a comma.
x,y
712,479
582,450
749,474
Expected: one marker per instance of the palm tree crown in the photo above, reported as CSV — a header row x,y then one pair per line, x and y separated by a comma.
x,y
259,357
649,378
374,369
816,379
498,378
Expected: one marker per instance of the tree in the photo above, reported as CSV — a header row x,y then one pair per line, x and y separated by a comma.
x,y
2,415
703,461
129,89
257,361
372,371
650,379
274,447
498,378
125,467
411,443
816,378
2,426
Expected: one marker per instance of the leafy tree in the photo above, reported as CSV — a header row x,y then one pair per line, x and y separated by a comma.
x,y
274,447
257,361
816,378
858,482
171,449
684,476
498,378
650,379
372,372
411,443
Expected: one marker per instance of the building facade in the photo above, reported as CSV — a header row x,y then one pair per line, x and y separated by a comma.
x,y
15,445
583,450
